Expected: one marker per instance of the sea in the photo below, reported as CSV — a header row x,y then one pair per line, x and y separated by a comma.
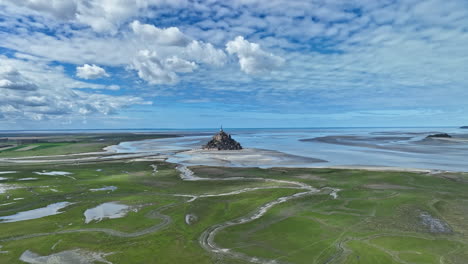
x,y
401,147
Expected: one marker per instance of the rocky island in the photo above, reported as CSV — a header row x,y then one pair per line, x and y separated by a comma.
x,y
222,141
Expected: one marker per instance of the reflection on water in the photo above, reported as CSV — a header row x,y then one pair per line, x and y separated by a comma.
x,y
396,147
109,210
51,209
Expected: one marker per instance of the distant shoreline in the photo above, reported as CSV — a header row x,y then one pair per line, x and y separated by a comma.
x,y
215,128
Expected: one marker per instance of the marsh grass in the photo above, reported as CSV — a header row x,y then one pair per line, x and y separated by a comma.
x,y
365,224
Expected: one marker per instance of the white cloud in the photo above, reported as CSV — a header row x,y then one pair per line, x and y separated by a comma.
x,y
104,16
10,78
157,70
205,53
347,53
252,59
80,47
76,47
55,94
180,65
167,36
172,42
109,15
61,9
90,72
166,52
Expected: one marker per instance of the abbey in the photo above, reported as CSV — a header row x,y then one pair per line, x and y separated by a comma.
x,y
222,141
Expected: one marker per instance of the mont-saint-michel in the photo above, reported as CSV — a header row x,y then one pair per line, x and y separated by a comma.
x,y
233,132
222,141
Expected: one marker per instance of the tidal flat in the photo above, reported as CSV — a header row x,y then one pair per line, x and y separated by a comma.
x,y
212,214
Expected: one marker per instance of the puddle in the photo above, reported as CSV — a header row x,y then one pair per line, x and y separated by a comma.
x,y
53,173
3,178
105,188
51,209
7,172
27,179
56,173
6,187
155,168
109,210
334,193
190,219
78,256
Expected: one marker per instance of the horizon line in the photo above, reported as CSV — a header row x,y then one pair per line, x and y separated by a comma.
x,y
199,128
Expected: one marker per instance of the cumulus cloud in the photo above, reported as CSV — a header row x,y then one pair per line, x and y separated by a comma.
x,y
10,78
90,72
156,70
61,9
104,16
171,41
168,51
167,36
348,53
205,53
55,95
252,59
83,47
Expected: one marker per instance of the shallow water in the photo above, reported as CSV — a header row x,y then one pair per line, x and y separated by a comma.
x,y
76,256
109,210
7,172
51,209
5,187
105,188
53,173
394,147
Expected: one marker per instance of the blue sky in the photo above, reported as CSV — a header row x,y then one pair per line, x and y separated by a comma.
x,y
240,63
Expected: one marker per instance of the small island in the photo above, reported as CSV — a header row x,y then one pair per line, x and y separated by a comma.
x,y
440,135
464,127
222,141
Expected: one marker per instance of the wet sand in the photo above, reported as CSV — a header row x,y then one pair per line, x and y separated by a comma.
x,y
384,143
394,143
371,149
242,158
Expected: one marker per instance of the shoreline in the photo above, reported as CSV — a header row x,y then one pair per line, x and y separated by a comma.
x,y
169,150
246,158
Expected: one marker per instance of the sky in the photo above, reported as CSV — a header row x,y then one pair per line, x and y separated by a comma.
x,y
68,64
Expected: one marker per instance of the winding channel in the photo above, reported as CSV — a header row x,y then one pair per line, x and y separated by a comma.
x,y
207,238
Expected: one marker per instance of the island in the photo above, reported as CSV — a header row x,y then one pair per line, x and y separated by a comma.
x,y
222,141
440,135
464,127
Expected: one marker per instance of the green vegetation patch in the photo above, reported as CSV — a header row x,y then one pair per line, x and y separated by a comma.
x,y
375,218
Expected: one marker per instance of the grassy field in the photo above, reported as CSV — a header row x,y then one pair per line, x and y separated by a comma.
x,y
57,144
376,217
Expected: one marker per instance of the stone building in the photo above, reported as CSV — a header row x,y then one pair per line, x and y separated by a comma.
x,y
222,141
